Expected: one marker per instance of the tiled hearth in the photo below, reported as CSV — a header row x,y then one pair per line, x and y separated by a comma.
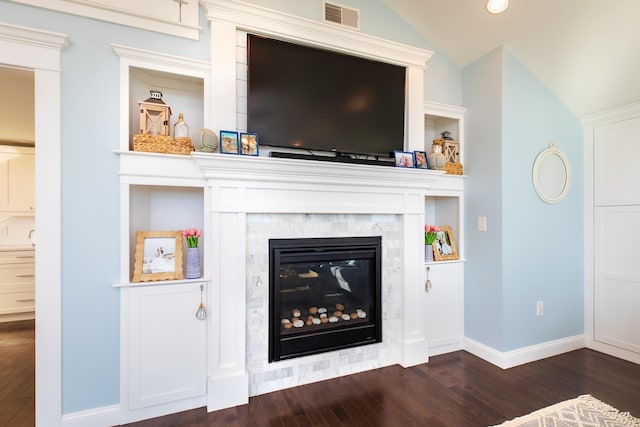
x,y
266,377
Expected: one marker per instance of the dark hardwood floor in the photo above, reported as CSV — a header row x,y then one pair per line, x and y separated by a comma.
x,y
17,373
456,389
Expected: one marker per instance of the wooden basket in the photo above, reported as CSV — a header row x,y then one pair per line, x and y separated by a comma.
x,y
453,168
162,144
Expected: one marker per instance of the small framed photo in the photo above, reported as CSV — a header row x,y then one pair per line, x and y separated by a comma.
x,y
229,142
421,159
404,159
249,144
444,247
158,256
452,151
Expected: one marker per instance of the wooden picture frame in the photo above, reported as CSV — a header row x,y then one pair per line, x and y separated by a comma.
x,y
404,159
444,247
451,150
229,142
249,144
158,256
421,160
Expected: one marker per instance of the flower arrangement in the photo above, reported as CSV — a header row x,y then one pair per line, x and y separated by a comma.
x,y
430,234
192,237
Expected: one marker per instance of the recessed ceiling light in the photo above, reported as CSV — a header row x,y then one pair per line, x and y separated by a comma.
x,y
497,6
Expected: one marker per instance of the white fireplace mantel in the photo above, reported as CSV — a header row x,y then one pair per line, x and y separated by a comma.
x,y
237,186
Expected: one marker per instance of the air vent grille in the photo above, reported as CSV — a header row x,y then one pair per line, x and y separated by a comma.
x,y
341,15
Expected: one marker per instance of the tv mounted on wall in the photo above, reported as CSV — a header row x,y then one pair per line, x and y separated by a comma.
x,y
317,100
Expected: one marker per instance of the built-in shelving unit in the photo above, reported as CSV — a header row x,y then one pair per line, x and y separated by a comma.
x,y
445,207
163,344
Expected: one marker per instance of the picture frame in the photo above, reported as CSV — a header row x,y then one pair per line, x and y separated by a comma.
x,y
421,159
404,159
451,150
229,142
444,247
158,256
249,144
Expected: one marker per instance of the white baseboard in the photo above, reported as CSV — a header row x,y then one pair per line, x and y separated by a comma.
x,y
509,359
97,417
620,353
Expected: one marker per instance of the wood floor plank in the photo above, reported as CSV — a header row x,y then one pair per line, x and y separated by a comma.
x,y
455,389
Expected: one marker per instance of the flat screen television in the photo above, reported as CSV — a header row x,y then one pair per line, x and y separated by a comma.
x,y
318,100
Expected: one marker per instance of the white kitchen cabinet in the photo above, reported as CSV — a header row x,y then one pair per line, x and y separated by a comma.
x,y
17,285
166,346
17,179
444,311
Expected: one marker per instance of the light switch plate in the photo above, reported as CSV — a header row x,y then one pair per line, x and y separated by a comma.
x,y
482,223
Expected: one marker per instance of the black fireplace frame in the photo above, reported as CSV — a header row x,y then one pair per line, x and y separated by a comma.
x,y
282,251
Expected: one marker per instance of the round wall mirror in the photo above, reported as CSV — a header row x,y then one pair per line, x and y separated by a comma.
x,y
551,175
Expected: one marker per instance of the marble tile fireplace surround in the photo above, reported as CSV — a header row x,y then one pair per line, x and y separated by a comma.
x,y
250,200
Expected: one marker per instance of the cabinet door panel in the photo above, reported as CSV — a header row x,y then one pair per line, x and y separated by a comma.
x,y
22,183
444,308
617,276
615,158
167,345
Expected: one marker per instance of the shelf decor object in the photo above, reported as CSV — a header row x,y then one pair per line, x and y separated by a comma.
x,y
204,140
154,115
430,236
436,158
444,246
421,160
249,144
158,256
192,261
228,142
404,159
155,134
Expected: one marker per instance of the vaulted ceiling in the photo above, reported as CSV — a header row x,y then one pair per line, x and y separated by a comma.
x,y
587,52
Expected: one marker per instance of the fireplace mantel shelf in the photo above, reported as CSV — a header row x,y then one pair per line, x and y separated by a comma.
x,y
199,167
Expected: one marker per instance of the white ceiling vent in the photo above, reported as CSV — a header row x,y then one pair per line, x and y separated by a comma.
x,y
341,15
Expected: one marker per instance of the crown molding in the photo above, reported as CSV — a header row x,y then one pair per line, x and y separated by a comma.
x,y
283,26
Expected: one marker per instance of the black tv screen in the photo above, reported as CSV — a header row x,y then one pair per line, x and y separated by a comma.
x,y
313,99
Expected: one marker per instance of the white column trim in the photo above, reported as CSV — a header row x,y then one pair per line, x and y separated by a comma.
x,y
41,51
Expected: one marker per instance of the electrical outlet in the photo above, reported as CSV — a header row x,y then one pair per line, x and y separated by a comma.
x,y
540,308
482,223
4,230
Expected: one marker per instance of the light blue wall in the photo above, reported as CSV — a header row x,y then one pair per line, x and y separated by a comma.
x,y
482,89
90,184
543,243
532,251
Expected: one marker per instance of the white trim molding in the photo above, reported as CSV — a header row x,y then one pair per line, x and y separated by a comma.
x,y
41,51
276,24
520,356
138,14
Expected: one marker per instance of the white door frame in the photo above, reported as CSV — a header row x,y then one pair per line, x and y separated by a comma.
x,y
40,51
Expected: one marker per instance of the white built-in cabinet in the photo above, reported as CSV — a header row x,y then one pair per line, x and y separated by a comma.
x,y
445,207
612,227
166,344
17,285
163,344
17,180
